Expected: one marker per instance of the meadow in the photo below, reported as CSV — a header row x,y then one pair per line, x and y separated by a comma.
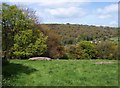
x,y
60,73
82,54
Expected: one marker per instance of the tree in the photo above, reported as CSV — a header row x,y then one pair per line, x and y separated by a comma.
x,y
55,48
107,50
14,20
74,52
27,45
82,50
89,49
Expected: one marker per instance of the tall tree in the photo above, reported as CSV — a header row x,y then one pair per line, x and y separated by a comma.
x,y
54,45
14,19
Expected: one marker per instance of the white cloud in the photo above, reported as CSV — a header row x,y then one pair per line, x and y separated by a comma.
x,y
51,2
108,9
60,1
56,3
66,12
104,16
46,1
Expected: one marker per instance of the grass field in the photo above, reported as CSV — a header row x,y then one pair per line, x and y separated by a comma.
x,y
60,73
114,39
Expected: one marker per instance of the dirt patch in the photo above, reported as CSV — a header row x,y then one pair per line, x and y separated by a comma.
x,y
104,62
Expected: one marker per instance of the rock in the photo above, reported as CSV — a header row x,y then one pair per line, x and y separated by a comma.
x,y
39,58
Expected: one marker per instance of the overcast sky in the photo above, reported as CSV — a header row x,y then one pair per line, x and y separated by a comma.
x,y
75,12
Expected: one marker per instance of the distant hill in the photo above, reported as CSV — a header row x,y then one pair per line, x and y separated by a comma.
x,y
73,33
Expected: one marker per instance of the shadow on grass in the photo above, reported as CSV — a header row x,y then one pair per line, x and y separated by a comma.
x,y
12,70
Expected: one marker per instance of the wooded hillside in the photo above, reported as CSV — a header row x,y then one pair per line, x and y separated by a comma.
x,y
73,33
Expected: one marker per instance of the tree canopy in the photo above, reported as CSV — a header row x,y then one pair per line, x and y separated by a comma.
x,y
27,45
15,20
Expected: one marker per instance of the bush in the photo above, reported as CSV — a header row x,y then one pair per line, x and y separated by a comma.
x,y
89,48
82,50
28,44
107,50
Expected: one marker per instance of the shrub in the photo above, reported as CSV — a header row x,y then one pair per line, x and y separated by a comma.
x,y
107,50
27,44
82,50
88,48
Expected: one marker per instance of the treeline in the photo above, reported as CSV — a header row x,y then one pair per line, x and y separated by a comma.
x,y
24,37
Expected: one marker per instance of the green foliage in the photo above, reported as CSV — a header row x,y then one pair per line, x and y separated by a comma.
x,y
114,39
71,52
14,20
107,50
82,50
89,48
74,33
27,44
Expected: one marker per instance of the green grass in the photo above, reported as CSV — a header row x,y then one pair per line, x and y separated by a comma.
x,y
60,73
114,39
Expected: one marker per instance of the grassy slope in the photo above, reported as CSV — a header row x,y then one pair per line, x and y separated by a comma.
x,y
60,72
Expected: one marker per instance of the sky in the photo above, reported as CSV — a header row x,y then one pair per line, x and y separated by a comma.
x,y
99,13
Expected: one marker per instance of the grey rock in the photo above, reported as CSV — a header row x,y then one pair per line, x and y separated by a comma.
x,y
39,58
